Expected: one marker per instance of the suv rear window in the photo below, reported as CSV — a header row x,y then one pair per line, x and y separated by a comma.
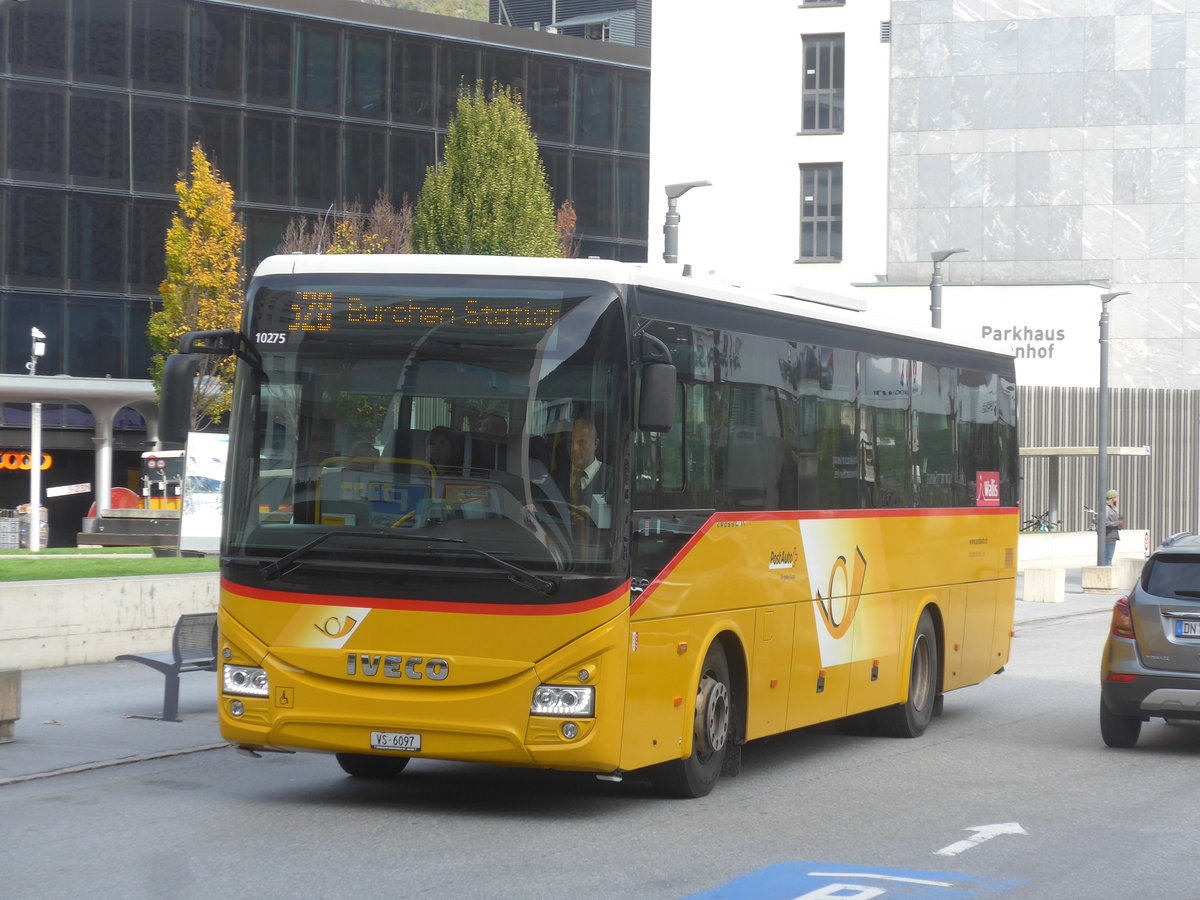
x,y
1173,576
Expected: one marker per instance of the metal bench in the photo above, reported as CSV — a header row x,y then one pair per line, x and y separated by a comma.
x,y
193,649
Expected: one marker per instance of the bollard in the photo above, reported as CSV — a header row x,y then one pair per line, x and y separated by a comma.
x,y
1099,579
10,703
1044,586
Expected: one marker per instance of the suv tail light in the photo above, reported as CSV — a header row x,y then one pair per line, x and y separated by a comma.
x,y
1122,619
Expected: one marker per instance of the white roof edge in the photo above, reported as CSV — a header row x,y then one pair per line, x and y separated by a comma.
x,y
800,301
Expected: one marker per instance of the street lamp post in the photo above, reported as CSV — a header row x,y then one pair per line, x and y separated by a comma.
x,y
671,226
1102,428
935,283
37,349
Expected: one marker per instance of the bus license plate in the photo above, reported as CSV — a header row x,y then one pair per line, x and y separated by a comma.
x,y
394,740
1187,628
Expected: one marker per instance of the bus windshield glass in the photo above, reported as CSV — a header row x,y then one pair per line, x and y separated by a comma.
x,y
430,422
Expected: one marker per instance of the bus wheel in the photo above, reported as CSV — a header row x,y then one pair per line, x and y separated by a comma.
x,y
361,765
910,718
712,734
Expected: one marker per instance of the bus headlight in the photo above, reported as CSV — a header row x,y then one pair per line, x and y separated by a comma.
x,y
551,700
247,681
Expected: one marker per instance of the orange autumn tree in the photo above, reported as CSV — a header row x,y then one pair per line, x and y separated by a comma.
x,y
203,289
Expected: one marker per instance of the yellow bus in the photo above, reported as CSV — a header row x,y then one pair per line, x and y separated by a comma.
x,y
596,517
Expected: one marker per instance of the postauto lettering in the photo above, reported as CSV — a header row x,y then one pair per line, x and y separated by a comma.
x,y
17,460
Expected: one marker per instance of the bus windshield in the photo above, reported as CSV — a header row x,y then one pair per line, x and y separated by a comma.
x,y
428,422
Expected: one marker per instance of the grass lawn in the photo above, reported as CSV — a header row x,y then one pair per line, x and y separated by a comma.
x,y
114,562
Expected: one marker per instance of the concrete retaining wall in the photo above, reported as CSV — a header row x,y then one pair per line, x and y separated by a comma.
x,y
1075,549
89,620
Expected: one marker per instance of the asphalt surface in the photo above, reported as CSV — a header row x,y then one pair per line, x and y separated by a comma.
x,y
77,718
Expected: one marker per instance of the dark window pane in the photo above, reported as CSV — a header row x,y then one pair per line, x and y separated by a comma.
x,y
506,69
319,84
412,154
99,140
158,149
594,107
366,164
216,56
633,179
148,224
268,153
269,52
821,212
35,238
550,100
99,41
96,259
37,38
34,132
137,362
558,174
366,75
218,132
95,338
158,47
264,230
457,73
635,112
592,194
316,163
823,83
21,313
412,82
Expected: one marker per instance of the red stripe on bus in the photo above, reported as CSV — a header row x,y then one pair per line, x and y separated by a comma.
x,y
412,605
794,516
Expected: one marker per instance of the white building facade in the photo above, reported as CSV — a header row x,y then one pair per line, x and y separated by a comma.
x,y
1057,144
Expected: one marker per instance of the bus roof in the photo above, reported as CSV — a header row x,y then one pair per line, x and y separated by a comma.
x,y
793,300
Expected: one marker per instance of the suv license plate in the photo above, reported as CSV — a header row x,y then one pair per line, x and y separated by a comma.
x,y
1187,628
395,740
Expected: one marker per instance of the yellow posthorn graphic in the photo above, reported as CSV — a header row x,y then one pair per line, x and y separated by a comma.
x,y
837,628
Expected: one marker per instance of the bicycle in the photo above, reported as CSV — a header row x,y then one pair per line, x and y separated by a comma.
x,y
1091,518
1039,523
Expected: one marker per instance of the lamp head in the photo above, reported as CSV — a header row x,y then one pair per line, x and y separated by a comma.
x,y
677,190
942,255
1105,298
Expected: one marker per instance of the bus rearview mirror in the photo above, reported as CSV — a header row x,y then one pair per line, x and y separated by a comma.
x,y
656,406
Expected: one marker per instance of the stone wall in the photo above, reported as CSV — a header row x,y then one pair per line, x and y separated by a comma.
x,y
73,621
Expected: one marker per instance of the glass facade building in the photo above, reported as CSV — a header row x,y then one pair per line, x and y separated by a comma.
x,y
321,103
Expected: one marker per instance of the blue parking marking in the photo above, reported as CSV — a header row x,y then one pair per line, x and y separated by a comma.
x,y
805,880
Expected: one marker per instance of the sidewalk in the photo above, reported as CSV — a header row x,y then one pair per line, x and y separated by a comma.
x,y
84,717
87,717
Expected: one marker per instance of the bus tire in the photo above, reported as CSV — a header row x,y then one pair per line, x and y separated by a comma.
x,y
362,765
712,733
910,718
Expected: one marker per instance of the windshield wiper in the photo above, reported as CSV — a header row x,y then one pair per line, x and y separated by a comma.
x,y
284,564
518,575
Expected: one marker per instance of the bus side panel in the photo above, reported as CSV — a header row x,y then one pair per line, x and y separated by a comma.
x,y
1006,603
665,657
770,670
820,685
983,610
885,622
954,625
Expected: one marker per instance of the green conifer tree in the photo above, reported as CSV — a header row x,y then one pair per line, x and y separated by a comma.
x,y
488,196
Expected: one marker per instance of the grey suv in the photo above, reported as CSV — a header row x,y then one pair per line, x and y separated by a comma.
x,y
1151,663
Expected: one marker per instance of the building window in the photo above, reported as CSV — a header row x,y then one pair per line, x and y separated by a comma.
x,y
824,91
821,212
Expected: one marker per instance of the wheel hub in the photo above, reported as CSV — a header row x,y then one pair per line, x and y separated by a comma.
x,y
712,715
